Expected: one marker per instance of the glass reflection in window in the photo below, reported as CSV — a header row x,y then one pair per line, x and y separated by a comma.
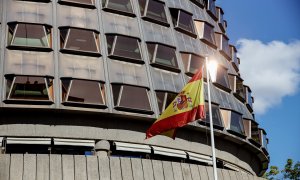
x,y
222,77
29,88
206,33
192,63
153,10
29,35
79,40
123,47
121,6
131,98
83,91
216,117
236,123
162,55
211,8
164,99
183,21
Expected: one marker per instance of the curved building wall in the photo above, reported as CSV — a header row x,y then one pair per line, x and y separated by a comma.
x,y
104,71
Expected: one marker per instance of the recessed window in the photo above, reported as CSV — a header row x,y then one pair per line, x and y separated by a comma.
x,y
29,89
211,9
264,140
29,36
233,122
124,48
255,135
247,127
79,41
164,99
240,92
223,45
131,98
192,63
221,22
200,3
206,33
216,117
163,56
222,79
249,98
183,21
123,7
79,3
85,93
235,59
154,11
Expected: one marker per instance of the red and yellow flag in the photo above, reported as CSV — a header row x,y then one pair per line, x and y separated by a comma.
x,y
187,106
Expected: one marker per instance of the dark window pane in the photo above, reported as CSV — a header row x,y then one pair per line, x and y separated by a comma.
x,y
119,5
255,132
212,8
186,22
90,2
155,10
192,63
222,77
164,99
142,4
236,123
131,97
125,47
151,50
240,90
82,91
209,34
80,40
225,45
215,115
164,55
30,35
249,97
30,88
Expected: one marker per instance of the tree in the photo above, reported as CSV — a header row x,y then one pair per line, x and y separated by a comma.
x,y
272,173
290,171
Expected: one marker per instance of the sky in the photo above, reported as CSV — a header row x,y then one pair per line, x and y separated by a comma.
x,y
267,35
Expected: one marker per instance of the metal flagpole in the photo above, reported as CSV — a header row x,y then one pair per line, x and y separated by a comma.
x,y
211,123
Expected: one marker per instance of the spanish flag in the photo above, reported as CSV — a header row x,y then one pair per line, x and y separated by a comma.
x,y
187,106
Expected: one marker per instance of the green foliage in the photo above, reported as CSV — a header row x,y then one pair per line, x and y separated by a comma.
x,y
290,171
272,173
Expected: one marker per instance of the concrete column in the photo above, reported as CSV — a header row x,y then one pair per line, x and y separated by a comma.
x,y
102,148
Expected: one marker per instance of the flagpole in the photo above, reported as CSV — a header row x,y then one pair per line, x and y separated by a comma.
x,y
211,123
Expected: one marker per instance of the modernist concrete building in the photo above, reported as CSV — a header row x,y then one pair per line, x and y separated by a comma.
x,y
82,80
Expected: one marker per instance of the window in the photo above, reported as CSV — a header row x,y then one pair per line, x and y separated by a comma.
x,y
162,56
216,117
222,79
264,141
154,11
85,93
29,89
199,3
192,63
233,122
131,98
124,48
29,36
183,21
123,7
79,41
247,127
164,99
223,45
206,33
221,22
240,92
211,9
79,3
235,60
255,135
249,98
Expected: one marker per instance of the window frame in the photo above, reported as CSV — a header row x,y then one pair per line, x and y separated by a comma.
x,y
219,85
118,107
188,66
249,98
96,36
202,37
10,40
176,24
153,20
235,93
78,4
116,11
166,93
220,15
160,65
228,122
66,102
206,121
9,100
235,60
213,14
199,4
122,58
